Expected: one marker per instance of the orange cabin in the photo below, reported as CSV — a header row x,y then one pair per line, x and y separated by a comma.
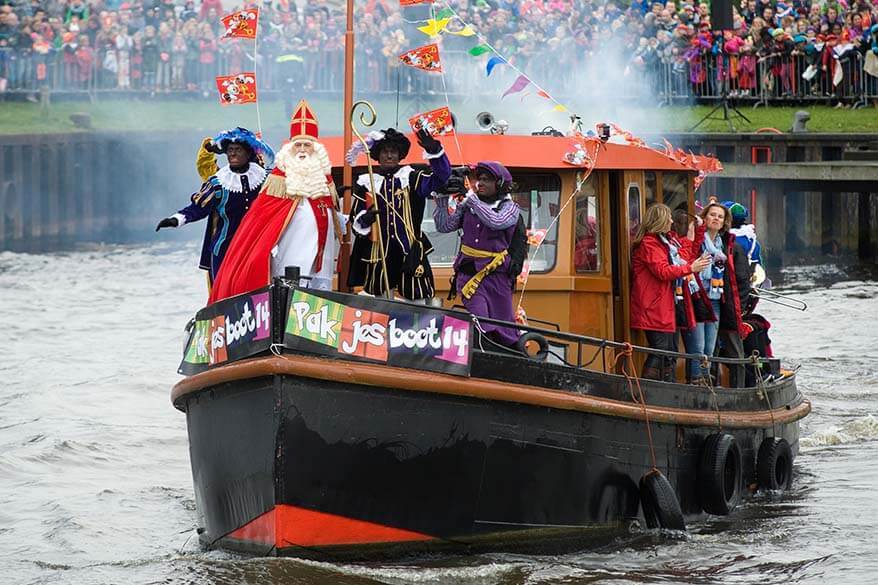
x,y
579,278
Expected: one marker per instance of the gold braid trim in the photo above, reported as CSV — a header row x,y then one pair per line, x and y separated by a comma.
x,y
275,186
472,285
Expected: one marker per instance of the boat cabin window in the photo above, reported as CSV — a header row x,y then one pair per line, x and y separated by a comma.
x,y
650,188
586,257
675,190
445,246
539,197
633,209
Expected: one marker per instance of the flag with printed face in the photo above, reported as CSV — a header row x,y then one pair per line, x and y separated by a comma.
x,y
237,89
437,122
241,24
425,58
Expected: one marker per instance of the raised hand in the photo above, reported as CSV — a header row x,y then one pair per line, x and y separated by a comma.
x,y
700,264
427,142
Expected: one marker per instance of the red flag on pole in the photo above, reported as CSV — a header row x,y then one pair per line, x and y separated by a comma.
x,y
241,24
426,58
237,89
438,122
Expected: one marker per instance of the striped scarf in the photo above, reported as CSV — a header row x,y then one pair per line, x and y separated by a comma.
x,y
677,260
713,276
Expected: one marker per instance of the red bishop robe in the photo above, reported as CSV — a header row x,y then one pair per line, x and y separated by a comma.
x,y
247,264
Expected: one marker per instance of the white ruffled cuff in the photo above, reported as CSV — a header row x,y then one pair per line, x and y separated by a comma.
x,y
181,219
358,229
428,156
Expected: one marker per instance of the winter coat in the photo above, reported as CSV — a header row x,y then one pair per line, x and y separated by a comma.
x,y
736,286
652,284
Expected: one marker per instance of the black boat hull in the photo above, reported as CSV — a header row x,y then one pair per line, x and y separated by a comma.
x,y
323,458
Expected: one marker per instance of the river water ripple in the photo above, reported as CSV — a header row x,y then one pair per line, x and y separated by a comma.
x,y
96,488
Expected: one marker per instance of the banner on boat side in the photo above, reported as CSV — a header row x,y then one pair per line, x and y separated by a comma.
x,y
229,330
378,331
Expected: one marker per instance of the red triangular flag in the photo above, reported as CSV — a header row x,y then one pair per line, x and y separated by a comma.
x,y
237,89
425,58
543,94
437,122
241,24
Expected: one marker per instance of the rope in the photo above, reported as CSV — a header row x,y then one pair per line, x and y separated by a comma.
x,y
705,365
628,353
447,101
760,388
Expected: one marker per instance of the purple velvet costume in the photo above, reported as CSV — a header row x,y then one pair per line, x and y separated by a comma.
x,y
486,227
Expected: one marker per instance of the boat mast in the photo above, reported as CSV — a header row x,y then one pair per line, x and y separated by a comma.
x,y
347,173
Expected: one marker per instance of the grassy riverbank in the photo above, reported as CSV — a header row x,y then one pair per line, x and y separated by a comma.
x,y
208,116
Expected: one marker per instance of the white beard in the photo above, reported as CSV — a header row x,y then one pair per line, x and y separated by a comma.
x,y
305,177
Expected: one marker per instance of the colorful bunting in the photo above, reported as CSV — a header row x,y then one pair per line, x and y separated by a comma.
x,y
241,24
479,50
466,31
434,27
559,108
437,122
425,58
543,94
519,84
493,62
237,89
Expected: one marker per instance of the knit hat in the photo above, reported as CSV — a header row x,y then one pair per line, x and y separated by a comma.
x,y
738,211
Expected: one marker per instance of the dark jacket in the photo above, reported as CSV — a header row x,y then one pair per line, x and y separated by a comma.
x,y
736,286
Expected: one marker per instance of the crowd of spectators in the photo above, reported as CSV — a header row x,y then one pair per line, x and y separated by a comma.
x,y
785,47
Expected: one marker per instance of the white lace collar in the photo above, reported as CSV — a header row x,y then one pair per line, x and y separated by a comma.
x,y
402,174
231,180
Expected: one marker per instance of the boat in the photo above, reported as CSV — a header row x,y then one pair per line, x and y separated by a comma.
x,y
332,425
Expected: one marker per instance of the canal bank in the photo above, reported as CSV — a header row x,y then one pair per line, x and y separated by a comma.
x,y
810,194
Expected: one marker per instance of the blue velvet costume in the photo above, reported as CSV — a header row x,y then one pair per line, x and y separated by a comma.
x,y
226,196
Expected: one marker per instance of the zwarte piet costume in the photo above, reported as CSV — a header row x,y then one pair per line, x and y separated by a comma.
x,y
483,273
400,197
226,196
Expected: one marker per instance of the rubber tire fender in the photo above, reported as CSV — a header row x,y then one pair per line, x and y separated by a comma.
x,y
661,508
543,345
719,474
774,464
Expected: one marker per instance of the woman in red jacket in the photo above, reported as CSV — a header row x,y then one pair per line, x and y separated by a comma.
x,y
662,266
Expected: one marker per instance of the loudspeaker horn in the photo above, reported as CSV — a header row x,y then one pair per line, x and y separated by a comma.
x,y
485,120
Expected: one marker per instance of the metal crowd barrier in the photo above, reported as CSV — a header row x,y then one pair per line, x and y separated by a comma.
x,y
755,79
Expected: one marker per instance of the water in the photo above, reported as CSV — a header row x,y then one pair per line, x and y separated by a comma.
x,y
95,484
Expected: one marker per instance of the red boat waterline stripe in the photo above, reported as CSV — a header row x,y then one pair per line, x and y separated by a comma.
x,y
287,525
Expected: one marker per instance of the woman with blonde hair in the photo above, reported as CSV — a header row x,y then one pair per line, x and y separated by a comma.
x,y
662,267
